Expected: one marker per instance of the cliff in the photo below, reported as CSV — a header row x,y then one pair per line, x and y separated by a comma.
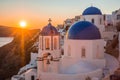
x,y
12,56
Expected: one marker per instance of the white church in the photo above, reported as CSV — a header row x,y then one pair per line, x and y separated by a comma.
x,y
83,57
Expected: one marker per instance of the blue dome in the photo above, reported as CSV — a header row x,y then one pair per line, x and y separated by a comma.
x,y
49,30
83,30
92,11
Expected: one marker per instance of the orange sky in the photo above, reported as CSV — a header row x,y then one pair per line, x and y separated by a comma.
x,y
37,12
33,20
31,23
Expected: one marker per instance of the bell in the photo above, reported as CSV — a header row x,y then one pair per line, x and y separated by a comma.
x,y
51,58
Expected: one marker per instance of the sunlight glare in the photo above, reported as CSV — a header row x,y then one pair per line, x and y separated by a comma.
x,y
22,24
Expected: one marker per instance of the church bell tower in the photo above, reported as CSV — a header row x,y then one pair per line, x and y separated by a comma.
x,y
49,49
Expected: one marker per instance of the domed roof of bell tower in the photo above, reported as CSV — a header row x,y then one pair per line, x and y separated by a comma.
x,y
49,30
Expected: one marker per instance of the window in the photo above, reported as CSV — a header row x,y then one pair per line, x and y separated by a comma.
x,y
84,19
67,27
55,43
47,44
62,37
32,77
92,21
97,54
104,17
69,50
62,52
83,53
118,17
100,21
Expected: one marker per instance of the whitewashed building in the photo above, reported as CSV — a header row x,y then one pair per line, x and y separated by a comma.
x,y
116,17
83,55
104,22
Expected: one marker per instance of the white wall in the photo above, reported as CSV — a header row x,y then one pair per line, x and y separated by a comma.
x,y
30,73
89,45
66,62
94,50
98,49
33,57
39,67
95,17
114,17
52,76
99,63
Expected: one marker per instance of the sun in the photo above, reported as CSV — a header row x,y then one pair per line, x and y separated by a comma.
x,y
23,24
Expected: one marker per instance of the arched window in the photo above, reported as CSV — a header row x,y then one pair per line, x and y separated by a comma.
x,y
55,43
69,50
47,44
97,54
93,21
83,55
32,77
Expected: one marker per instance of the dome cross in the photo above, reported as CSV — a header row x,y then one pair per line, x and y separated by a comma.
x,y
49,20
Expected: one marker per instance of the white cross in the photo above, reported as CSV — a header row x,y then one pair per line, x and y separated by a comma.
x,y
49,20
91,4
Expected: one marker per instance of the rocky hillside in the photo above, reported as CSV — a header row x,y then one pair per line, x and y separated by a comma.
x,y
12,57
112,47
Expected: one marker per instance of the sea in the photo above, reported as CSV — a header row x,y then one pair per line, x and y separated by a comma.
x,y
5,40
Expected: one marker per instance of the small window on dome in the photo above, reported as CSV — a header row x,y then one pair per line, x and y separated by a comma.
x,y
93,21
47,44
83,55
